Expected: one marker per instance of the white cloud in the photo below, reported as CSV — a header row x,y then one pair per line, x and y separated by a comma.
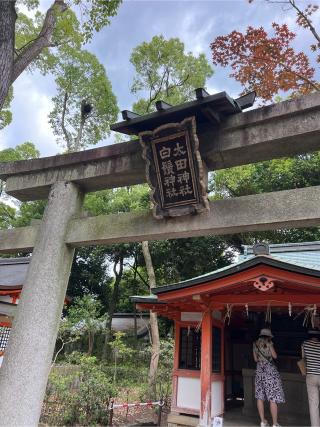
x,y
30,107
196,37
3,141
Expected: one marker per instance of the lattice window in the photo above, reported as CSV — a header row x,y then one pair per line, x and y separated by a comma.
x,y
4,337
190,349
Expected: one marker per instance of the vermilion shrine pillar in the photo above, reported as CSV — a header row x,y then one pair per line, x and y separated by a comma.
x,y
26,365
206,369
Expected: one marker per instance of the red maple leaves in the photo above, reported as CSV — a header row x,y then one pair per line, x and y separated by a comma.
x,y
266,64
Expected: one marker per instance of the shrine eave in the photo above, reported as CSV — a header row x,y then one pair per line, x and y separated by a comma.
x,y
13,272
239,267
7,308
150,299
206,108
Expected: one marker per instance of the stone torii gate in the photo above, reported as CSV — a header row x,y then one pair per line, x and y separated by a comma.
x,y
284,129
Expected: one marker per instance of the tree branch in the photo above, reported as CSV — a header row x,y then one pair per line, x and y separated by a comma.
x,y
64,130
79,135
33,50
181,83
306,19
63,344
152,98
136,272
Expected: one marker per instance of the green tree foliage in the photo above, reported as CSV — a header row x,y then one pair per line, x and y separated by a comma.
x,y
67,334
125,199
67,30
164,71
23,151
90,275
27,30
116,201
85,104
95,15
275,175
120,350
5,113
187,258
85,315
29,211
134,282
7,215
30,43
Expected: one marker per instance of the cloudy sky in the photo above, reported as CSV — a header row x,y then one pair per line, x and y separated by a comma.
x,y
196,23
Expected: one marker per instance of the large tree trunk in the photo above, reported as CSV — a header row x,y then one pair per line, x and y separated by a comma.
x,y
113,304
8,18
154,327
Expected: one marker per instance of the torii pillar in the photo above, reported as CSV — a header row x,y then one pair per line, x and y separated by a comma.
x,y
26,365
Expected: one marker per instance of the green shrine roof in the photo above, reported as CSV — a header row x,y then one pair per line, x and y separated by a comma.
x,y
295,257
306,254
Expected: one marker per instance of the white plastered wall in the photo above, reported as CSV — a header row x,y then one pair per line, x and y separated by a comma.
x,y
216,398
189,393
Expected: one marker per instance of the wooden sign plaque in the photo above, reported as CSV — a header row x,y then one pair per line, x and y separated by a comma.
x,y
174,169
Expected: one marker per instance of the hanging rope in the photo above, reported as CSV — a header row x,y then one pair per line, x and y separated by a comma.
x,y
310,315
306,319
268,314
247,310
228,313
198,327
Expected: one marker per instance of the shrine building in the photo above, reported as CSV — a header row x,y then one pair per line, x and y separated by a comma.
x,y
12,275
13,272
217,316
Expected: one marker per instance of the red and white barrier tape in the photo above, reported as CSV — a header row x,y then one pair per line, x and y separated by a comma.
x,y
135,405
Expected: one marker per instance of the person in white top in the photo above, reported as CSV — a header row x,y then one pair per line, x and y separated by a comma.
x,y
311,354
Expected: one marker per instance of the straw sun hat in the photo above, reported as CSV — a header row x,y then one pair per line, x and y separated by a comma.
x,y
266,333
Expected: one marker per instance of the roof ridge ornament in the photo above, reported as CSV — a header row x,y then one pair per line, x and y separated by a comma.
x,y
206,108
261,248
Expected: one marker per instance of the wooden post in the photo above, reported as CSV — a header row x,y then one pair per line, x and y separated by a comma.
x,y
206,369
175,363
135,324
111,413
160,412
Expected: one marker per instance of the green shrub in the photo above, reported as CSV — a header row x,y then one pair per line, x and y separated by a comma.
x,y
81,397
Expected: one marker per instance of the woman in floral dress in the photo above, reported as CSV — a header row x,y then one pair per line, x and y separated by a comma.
x,y
268,384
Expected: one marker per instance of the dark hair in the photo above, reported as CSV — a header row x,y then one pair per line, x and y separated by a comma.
x,y
313,335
